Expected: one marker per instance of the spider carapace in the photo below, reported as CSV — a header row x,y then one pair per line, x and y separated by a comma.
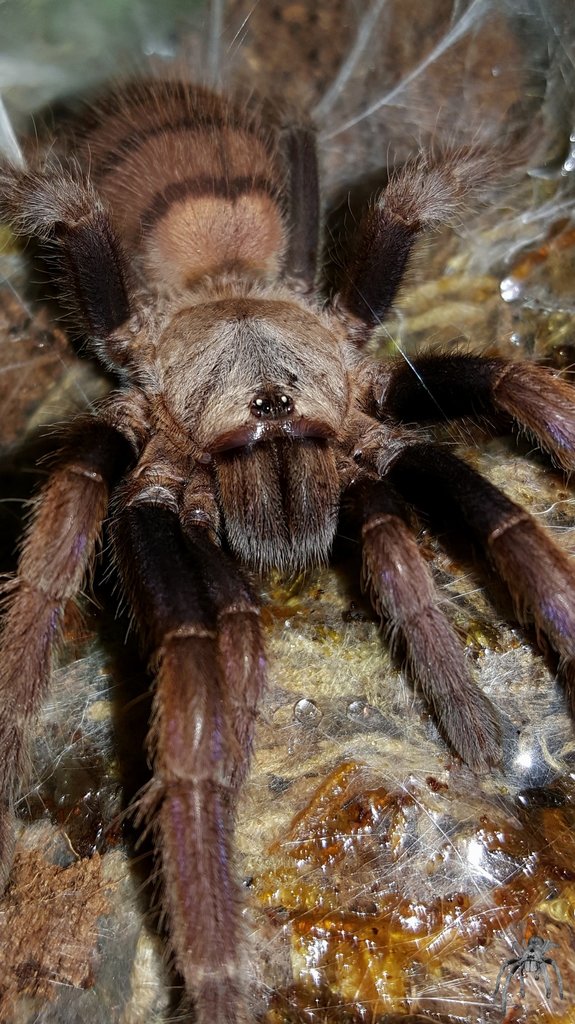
x,y
183,228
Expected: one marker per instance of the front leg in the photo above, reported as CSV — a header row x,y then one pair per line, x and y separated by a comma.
x,y
505,992
557,975
504,967
56,556
433,388
403,592
539,575
201,625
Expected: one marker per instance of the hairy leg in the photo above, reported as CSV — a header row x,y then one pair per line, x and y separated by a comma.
x,y
304,213
557,975
56,556
202,627
540,577
424,194
546,980
403,592
505,992
502,969
60,206
443,387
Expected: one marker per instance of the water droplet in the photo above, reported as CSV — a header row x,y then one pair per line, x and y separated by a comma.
x,y
510,289
306,712
365,714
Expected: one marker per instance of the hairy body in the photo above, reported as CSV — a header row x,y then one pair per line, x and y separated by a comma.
x,y
184,227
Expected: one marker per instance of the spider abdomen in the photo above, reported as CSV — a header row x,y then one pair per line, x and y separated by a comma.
x,y
191,181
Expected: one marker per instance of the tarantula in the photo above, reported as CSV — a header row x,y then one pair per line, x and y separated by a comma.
x,y
183,227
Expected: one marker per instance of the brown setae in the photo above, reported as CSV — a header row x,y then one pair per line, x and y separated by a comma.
x,y
182,229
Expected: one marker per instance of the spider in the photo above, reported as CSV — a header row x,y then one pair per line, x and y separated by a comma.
x,y
533,960
182,228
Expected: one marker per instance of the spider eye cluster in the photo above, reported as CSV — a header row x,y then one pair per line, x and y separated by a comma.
x,y
271,406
